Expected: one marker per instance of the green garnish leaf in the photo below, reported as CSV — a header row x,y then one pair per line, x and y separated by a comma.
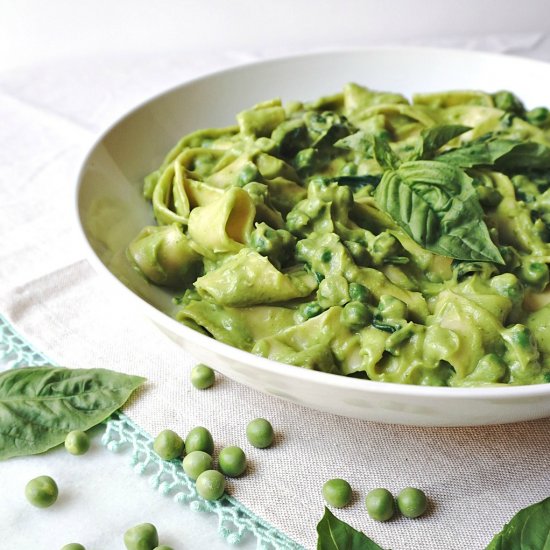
x,y
384,154
529,529
482,152
39,406
359,141
526,156
436,204
435,137
508,155
334,534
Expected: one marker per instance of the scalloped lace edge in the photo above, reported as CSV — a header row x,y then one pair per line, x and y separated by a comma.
x,y
235,521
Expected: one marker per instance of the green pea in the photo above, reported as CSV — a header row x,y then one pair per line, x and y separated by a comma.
x,y
537,116
356,315
391,307
141,537
534,274
248,173
276,244
199,439
202,377
73,546
337,492
196,462
412,502
333,291
510,286
380,505
232,461
507,101
309,310
358,292
259,433
522,336
163,547
77,442
168,445
41,491
326,256
210,485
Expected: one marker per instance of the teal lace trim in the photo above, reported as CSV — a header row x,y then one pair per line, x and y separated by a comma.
x,y
235,521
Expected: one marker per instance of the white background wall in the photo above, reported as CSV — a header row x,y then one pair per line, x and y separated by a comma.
x,y
37,30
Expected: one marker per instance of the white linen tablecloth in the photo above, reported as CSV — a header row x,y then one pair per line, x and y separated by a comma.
x,y
50,113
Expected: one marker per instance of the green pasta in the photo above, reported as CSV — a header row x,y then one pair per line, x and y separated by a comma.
x,y
366,235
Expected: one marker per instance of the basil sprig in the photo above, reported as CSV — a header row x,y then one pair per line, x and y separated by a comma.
x,y
436,204
39,406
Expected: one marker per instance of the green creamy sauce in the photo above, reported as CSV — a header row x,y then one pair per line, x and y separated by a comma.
x,y
366,235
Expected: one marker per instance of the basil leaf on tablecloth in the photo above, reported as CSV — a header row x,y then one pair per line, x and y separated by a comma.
x,y
529,529
436,204
39,406
334,534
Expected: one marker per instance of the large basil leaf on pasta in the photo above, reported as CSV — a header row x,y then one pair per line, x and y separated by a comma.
x,y
39,406
436,204
529,529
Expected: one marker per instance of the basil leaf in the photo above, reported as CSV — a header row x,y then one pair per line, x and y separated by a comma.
x,y
436,204
435,137
39,406
359,141
506,154
384,154
334,534
357,182
532,156
529,529
478,153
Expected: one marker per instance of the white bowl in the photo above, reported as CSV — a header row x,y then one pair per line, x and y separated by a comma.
x,y
111,211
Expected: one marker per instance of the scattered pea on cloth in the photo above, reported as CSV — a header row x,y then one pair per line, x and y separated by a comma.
x,y
210,485
259,433
232,461
412,502
41,491
195,463
337,492
199,439
77,442
168,445
380,504
202,377
141,537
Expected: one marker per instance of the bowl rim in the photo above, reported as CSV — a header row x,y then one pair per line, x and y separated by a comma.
x,y
493,393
